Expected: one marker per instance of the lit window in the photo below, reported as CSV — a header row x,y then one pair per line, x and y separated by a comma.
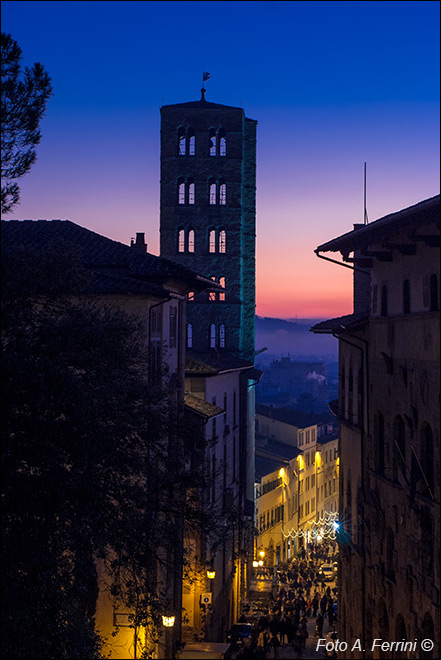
x,y
222,283
181,193
212,193
182,142
212,335
191,142
212,241
212,143
222,144
222,241
212,294
190,296
221,336
181,240
189,335
223,194
191,193
191,240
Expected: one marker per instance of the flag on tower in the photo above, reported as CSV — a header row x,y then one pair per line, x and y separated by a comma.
x,y
206,76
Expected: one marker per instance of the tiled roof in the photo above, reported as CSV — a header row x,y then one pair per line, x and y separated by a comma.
x,y
386,227
341,323
296,418
210,364
97,252
201,407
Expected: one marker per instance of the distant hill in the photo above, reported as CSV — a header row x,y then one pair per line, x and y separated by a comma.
x,y
293,337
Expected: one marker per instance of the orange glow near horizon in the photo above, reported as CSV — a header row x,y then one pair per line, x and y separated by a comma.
x,y
308,288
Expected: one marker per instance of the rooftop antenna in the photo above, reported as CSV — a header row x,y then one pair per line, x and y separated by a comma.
x,y
365,213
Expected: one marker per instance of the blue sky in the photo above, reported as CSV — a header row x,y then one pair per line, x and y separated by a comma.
x,y
332,85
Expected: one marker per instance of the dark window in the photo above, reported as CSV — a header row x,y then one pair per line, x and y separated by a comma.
x,y
399,446
427,456
189,335
434,306
384,300
191,142
173,327
182,142
406,297
379,443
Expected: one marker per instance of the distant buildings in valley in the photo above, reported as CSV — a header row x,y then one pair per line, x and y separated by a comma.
x,y
297,471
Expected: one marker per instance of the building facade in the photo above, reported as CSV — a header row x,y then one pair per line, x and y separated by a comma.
x,y
388,409
297,504
208,202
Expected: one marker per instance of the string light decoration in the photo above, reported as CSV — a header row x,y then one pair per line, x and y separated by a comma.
x,y
325,527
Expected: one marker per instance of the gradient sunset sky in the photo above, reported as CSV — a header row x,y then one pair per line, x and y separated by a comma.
x,y
331,84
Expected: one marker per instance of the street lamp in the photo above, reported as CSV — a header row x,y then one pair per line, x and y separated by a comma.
x,y
211,574
168,620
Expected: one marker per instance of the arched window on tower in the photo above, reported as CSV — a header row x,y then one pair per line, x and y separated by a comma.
x,y
213,195
191,142
213,141
181,240
222,283
212,241
212,332
181,192
191,192
222,143
212,294
189,335
182,142
222,193
221,336
191,240
222,241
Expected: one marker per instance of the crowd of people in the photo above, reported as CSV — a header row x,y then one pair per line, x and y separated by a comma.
x,y
300,593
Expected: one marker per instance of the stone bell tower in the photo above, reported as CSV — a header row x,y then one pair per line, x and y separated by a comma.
x,y
208,217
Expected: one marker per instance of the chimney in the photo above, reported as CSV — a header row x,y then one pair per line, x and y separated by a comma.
x,y
139,245
362,284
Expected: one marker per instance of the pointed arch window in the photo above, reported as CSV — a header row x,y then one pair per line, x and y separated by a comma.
x,y
222,143
221,335
191,192
212,241
181,192
213,193
181,240
182,142
212,294
222,241
222,283
213,142
212,332
191,240
189,335
222,193
191,142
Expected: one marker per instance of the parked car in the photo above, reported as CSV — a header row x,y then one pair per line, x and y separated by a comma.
x,y
327,572
238,632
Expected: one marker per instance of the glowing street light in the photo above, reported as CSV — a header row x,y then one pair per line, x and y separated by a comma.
x,y
211,574
168,621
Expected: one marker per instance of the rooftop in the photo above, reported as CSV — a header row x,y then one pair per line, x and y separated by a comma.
x,y
116,267
386,228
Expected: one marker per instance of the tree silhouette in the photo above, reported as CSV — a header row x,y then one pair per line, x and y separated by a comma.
x,y
24,96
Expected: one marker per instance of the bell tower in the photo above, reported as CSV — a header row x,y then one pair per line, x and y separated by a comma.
x,y
208,217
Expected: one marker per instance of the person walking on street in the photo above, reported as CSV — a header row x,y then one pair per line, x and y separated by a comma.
x,y
319,625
